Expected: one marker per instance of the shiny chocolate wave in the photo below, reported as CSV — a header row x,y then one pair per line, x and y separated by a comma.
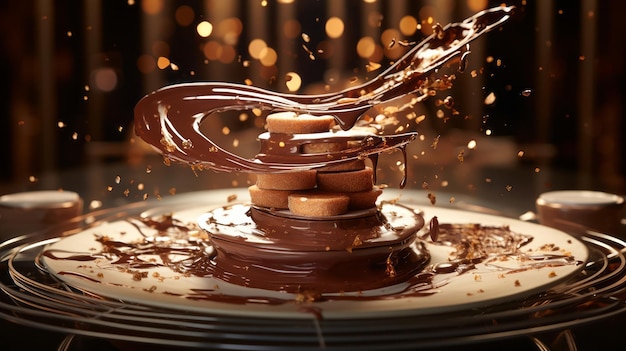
x,y
169,119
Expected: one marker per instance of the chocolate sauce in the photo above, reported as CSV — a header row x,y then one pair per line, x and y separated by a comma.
x,y
250,247
169,119
262,249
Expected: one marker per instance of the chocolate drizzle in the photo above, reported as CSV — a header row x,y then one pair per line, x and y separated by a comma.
x,y
493,246
170,118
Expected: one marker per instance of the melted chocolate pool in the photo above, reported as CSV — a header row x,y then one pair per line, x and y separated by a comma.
x,y
361,251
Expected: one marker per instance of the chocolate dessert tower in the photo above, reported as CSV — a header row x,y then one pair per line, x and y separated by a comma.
x,y
315,231
326,191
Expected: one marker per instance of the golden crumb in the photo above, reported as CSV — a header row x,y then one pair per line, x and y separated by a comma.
x,y
372,66
490,99
137,275
435,142
432,197
517,283
357,241
552,274
307,296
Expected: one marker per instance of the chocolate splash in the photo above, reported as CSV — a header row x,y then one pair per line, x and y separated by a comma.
x,y
169,119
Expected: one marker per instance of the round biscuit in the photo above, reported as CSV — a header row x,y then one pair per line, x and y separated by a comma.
x,y
296,180
277,199
293,123
343,167
316,204
322,148
364,199
346,182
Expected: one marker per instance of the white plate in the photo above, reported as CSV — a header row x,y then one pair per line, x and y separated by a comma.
x,y
164,288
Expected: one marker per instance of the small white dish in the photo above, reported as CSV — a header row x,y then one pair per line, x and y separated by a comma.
x,y
26,212
40,199
580,210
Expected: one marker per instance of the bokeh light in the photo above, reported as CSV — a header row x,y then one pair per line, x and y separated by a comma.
x,y
152,7
292,29
477,5
366,47
212,50
268,56
229,30
389,39
374,19
408,25
255,47
105,79
228,54
334,27
146,64
204,29
184,15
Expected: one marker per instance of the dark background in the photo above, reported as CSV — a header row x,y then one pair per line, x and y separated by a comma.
x,y
51,49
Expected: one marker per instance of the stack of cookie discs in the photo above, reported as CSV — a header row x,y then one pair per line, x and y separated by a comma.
x,y
329,191
272,189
